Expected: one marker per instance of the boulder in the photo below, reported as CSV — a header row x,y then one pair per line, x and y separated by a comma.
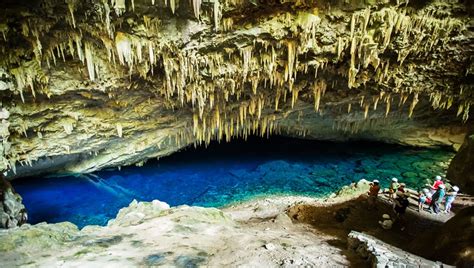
x,y
461,169
381,254
12,211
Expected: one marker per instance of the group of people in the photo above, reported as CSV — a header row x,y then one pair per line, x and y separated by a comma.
x,y
435,195
399,196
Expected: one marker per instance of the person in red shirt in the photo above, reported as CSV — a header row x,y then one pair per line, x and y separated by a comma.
x,y
436,184
373,193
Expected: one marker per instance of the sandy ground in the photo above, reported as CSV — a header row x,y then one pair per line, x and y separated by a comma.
x,y
268,232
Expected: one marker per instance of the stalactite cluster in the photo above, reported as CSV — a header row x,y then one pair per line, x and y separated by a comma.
x,y
234,66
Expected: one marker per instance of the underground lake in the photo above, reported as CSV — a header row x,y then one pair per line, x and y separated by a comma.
x,y
224,173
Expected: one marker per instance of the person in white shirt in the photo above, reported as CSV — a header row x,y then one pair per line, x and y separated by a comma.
x,y
450,196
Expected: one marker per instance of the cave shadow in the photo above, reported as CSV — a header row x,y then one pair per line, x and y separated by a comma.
x,y
338,220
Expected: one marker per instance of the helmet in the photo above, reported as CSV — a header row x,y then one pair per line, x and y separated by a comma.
x,y
376,181
438,178
394,179
455,188
402,184
386,216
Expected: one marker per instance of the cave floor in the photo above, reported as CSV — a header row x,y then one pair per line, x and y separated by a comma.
x,y
283,231
411,233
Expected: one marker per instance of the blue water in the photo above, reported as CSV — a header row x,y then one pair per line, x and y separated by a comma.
x,y
225,173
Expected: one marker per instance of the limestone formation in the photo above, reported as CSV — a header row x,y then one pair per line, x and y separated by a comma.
x,y
93,84
452,242
12,210
381,254
151,234
461,169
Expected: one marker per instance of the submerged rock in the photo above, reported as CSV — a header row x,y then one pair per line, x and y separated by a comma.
x,y
12,211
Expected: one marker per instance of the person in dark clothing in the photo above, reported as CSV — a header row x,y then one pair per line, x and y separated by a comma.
x,y
437,198
401,204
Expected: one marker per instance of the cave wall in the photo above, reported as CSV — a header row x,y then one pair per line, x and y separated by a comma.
x,y
86,85
461,168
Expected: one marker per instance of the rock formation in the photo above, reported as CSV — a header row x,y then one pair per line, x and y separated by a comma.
x,y
92,84
381,254
12,210
452,242
150,234
461,169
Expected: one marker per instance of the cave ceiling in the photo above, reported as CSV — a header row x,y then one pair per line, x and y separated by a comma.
x,y
91,84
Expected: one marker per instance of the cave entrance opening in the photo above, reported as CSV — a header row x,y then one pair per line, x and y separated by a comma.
x,y
223,173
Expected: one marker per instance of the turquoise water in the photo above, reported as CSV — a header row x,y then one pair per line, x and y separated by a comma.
x,y
226,173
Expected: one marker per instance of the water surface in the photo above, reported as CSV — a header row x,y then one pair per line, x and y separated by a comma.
x,y
225,173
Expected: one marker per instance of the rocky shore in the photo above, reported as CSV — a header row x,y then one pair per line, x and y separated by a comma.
x,y
272,231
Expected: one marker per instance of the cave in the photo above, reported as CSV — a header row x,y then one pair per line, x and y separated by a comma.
x,y
143,133
222,174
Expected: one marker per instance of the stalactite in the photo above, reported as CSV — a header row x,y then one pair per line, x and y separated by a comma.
x,y
340,47
246,54
119,130
71,6
107,18
387,108
366,111
465,115
119,6
294,97
460,109
353,22
412,105
291,60
172,5
197,7
124,48
227,24
217,14
376,101
90,61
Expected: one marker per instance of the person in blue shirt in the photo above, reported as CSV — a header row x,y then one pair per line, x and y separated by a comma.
x,y
450,196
